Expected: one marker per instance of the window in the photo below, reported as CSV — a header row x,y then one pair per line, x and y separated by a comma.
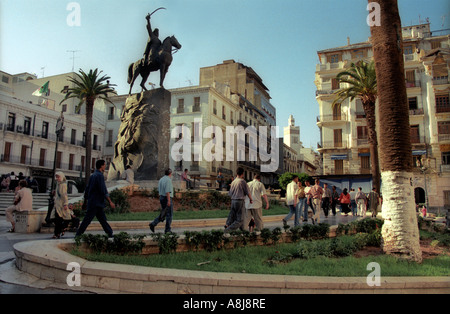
x,y
180,108
110,138
444,130
7,152
73,136
338,167
58,159
44,129
338,138
362,132
42,157
410,78
415,135
27,126
64,108
196,107
111,113
337,112
23,154
335,83
408,50
365,164
442,103
5,79
215,107
412,102
11,122
446,198
334,58
71,158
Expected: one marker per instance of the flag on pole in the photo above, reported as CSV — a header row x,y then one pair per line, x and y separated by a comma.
x,y
42,91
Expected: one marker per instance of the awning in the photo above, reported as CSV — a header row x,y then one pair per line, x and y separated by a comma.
x,y
339,157
364,154
419,152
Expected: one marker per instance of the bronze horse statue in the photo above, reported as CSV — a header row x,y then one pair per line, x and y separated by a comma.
x,y
161,61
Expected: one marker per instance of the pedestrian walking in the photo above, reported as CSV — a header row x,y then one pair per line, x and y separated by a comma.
x,y
361,201
165,189
238,191
316,200
301,200
353,202
326,199
334,199
95,195
291,201
344,200
23,200
60,212
308,201
374,201
257,191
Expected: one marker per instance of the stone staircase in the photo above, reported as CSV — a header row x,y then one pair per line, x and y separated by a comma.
x,y
40,200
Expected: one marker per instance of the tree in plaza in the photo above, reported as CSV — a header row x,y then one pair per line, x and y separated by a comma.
x,y
362,84
88,87
400,232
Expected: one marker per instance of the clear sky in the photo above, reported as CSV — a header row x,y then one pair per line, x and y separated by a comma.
x,y
279,39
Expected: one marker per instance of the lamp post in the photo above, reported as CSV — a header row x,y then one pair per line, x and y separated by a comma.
x,y
51,201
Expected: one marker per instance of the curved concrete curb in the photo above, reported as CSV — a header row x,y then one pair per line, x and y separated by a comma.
x,y
47,260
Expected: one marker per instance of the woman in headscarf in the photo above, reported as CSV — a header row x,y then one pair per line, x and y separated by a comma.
x,y
61,211
344,199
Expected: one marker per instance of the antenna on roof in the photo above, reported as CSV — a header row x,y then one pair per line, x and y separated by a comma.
x,y
73,58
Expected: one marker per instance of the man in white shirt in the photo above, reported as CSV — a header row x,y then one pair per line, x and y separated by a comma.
x,y
291,201
257,190
23,200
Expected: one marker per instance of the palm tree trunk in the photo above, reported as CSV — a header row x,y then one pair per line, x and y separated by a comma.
x,y
369,110
400,230
89,114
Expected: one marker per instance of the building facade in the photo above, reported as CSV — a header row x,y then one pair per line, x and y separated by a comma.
x,y
344,141
28,129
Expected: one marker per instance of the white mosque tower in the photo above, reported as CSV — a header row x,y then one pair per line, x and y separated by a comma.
x,y
292,135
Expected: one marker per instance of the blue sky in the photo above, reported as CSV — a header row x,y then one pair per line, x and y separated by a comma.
x,y
279,39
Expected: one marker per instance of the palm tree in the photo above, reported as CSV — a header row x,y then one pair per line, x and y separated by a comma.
x,y
89,87
362,82
400,232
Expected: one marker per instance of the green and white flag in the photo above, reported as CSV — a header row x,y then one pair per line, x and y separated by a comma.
x,y
43,91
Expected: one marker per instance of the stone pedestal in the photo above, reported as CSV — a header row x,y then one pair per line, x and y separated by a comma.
x,y
144,136
29,221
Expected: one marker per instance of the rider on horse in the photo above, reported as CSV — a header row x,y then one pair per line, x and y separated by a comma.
x,y
153,43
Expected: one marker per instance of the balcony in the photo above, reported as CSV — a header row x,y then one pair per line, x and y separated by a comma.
x,y
334,145
444,137
412,84
332,118
416,112
442,80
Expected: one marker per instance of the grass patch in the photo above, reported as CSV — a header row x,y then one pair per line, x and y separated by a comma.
x,y
254,260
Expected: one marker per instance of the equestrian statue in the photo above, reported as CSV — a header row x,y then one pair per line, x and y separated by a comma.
x,y
157,57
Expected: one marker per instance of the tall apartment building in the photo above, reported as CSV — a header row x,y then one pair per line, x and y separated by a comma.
x,y
229,95
28,128
344,146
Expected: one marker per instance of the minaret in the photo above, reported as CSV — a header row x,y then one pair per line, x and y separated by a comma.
x,y
292,135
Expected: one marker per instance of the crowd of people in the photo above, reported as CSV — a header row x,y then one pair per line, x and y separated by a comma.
x,y
300,198
245,210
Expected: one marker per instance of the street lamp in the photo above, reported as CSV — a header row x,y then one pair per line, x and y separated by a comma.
x,y
51,201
